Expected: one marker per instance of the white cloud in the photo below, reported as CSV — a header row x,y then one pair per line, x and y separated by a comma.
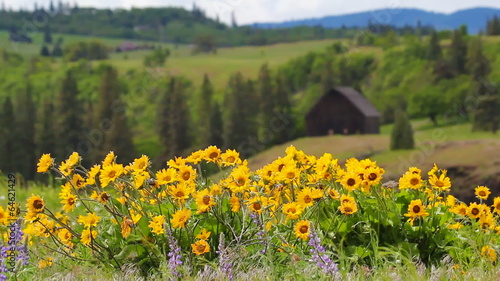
x,y
250,11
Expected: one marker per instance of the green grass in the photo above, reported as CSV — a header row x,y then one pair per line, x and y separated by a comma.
x,y
448,146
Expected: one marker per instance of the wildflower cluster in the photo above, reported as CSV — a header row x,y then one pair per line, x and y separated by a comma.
x,y
123,213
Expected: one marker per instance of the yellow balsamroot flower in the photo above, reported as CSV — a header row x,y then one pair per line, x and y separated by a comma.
x,y
348,208
110,173
157,224
257,204
45,263
307,196
302,229
204,201
410,180
487,221
181,191
230,158
180,218
109,159
92,174
89,220
195,157
459,209
455,226
139,178
433,171
3,216
44,163
496,205
212,154
450,200
65,168
350,181
102,197
126,227
416,210
77,181
88,236
186,173
122,200
200,247
333,193
140,164
482,192
204,234
69,202
414,170
344,198
292,210
166,176
488,253
475,210
239,179
373,175
234,201
441,183
65,236
215,189
35,204
177,162
289,173
73,159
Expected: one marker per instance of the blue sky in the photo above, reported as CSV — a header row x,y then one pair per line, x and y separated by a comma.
x,y
250,11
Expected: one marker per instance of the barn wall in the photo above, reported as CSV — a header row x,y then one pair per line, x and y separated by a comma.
x,y
334,113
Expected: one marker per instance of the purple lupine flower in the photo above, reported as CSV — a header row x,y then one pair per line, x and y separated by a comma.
x,y
175,256
23,253
3,266
261,233
225,264
319,255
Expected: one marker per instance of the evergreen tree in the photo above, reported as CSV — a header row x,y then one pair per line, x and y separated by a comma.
x,y
51,7
163,122
111,110
216,126
235,131
493,27
477,64
205,112
402,132
7,137
284,129
487,113
266,100
458,52
57,51
179,120
68,118
25,149
344,73
327,77
46,136
44,52
434,51
47,36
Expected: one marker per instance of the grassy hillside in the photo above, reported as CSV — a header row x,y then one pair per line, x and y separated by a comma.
x,y
471,157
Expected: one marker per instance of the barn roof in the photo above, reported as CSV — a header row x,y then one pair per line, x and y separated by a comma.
x,y
357,99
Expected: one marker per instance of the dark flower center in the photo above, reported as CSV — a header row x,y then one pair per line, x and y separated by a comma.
x,y
38,204
416,209
414,181
304,229
351,182
372,176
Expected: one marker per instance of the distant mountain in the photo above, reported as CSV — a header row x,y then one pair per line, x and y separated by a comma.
x,y
474,18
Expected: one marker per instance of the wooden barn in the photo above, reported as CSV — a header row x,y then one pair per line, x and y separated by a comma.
x,y
342,110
